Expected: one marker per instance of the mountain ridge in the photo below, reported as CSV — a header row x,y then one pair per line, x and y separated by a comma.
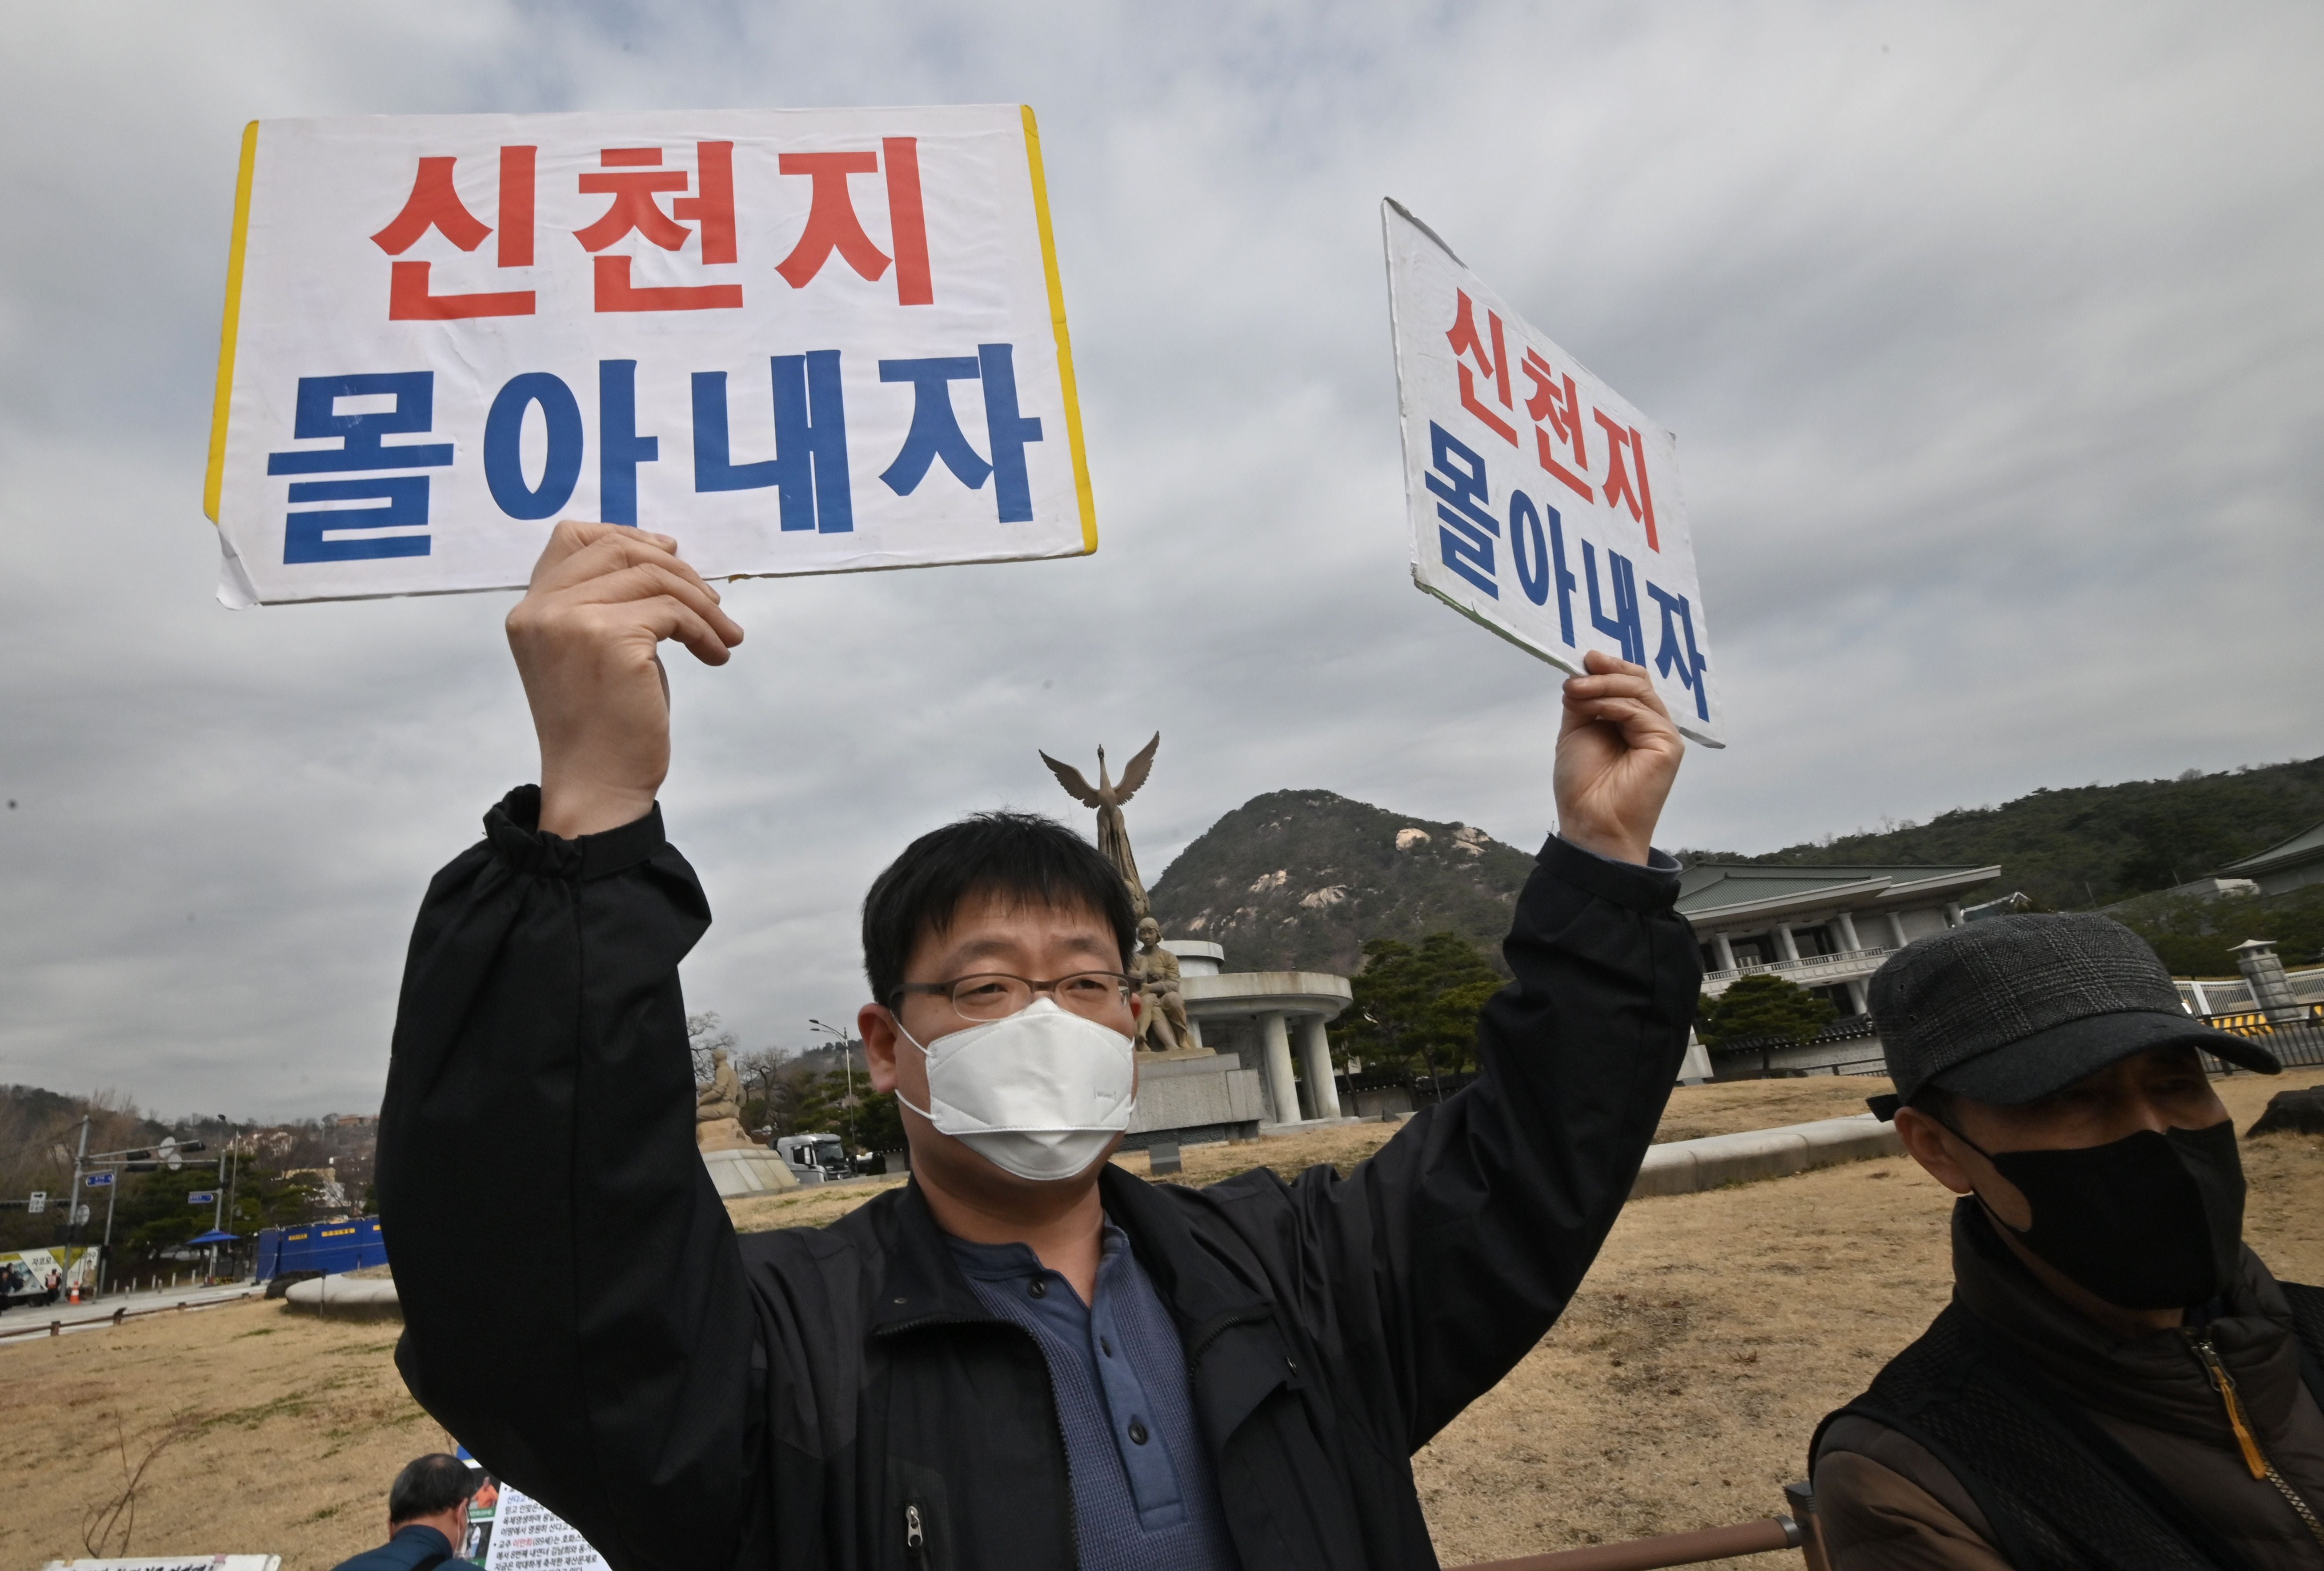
x,y
1297,880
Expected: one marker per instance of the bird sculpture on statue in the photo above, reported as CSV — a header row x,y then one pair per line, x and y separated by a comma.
x,y
1107,797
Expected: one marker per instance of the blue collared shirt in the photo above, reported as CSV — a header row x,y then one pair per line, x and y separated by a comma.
x,y
1144,1493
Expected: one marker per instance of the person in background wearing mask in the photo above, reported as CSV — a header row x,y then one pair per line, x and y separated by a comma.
x,y
2118,1381
1026,1357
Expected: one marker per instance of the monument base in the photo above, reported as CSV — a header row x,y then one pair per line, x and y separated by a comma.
x,y
724,1134
1194,1096
737,1171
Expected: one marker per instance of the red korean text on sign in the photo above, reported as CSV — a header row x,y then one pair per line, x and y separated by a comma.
x,y
1556,412
434,204
833,228
1625,483
633,176
1493,362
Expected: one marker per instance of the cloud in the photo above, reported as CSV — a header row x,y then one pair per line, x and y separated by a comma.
x,y
1988,336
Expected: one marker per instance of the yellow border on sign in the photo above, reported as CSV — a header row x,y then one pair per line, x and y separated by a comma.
x,y
215,483
1065,343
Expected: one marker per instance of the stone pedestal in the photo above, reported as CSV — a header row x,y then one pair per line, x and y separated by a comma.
x,y
723,1135
748,1170
1191,1097
738,1164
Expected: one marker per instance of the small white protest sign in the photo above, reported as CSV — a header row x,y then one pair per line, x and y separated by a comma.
x,y
801,341
1544,505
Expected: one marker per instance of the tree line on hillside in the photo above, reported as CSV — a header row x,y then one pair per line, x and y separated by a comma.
x,y
40,1132
2086,847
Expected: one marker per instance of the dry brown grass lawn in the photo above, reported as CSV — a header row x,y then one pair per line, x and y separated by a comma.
x,y
292,1429
1679,1391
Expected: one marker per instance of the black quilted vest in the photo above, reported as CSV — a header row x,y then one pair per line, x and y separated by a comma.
x,y
2059,1492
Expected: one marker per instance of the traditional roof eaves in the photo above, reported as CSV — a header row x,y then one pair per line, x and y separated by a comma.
x,y
1885,884
2306,846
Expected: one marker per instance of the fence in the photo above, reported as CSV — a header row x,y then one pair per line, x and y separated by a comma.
x,y
2296,1044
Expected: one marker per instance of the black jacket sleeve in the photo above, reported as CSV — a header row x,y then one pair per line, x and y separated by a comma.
x,y
573,1297
1428,1272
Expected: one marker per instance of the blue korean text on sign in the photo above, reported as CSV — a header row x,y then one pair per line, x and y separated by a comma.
x,y
359,444
935,430
809,468
97,1181
202,1198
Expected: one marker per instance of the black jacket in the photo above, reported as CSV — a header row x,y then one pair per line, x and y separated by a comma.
x,y
580,1313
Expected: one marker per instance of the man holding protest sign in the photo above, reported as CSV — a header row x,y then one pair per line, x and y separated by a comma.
x,y
1027,1356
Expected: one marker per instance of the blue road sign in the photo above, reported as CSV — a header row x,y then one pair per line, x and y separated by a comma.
x,y
202,1198
97,1181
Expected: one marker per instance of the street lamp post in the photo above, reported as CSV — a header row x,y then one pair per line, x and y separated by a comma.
x,y
104,1251
72,1211
847,1063
233,1171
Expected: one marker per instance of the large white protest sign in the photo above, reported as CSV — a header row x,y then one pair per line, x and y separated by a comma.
x,y
527,1536
801,341
1544,505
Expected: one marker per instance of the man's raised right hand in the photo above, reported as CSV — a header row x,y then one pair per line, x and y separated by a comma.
x,y
603,597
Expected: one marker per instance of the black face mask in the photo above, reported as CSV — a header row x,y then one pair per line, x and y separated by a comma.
x,y
2150,1222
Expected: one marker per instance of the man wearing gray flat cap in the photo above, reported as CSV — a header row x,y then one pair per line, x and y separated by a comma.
x,y
2118,1381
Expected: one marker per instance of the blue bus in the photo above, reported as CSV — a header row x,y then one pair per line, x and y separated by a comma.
x,y
315,1249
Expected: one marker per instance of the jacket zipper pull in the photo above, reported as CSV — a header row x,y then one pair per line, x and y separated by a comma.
x,y
2225,1385
2254,1457
915,1539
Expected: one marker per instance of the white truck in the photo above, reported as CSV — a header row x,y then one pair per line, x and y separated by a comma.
x,y
814,1159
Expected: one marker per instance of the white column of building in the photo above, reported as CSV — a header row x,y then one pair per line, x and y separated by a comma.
x,y
1316,1058
1275,1051
1859,998
1896,929
1725,950
1847,933
1785,942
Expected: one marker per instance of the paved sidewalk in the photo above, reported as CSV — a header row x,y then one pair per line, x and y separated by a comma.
x,y
27,1322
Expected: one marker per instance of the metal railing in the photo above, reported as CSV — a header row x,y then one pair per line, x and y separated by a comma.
x,y
1844,960
2297,1044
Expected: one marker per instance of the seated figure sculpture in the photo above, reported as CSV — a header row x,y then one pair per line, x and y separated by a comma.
x,y
1162,1025
718,1107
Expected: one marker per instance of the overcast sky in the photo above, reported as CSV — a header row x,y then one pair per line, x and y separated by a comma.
x,y
1990,334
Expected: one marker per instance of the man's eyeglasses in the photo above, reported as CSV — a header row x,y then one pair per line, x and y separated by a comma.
x,y
995,994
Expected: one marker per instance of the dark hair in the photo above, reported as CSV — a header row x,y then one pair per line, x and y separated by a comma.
x,y
430,1486
1019,856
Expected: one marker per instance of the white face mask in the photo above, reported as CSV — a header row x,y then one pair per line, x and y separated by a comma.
x,y
1038,1093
